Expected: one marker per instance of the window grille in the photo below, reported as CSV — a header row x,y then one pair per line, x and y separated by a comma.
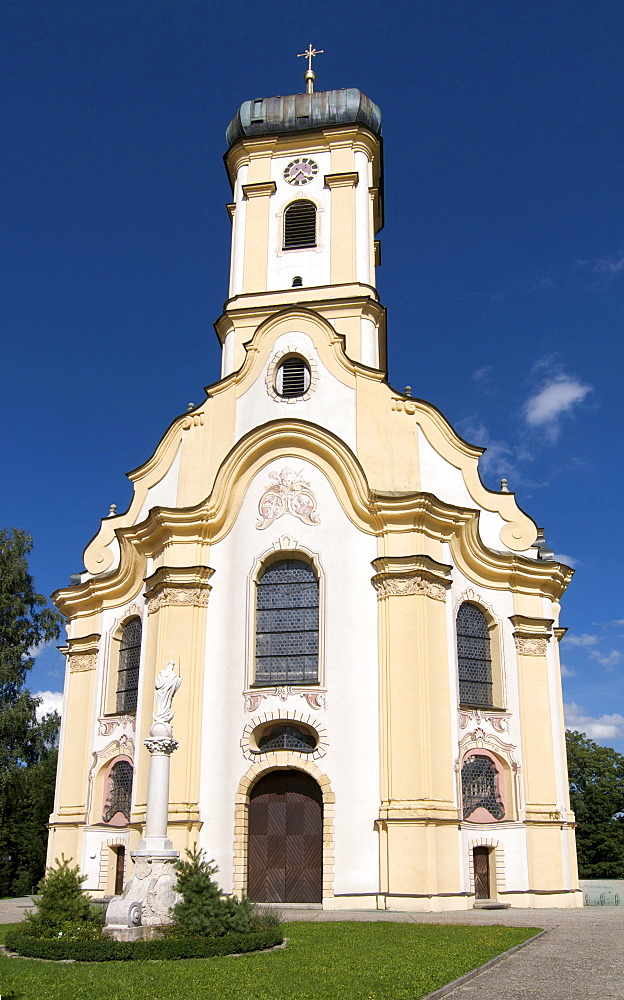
x,y
120,794
128,672
300,226
478,778
287,613
285,737
292,378
473,655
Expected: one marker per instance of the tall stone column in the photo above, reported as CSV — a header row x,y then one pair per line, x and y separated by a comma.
x,y
150,893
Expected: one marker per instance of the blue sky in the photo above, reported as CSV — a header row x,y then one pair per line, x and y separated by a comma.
x,y
503,254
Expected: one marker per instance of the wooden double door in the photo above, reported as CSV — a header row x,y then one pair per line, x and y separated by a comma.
x,y
285,852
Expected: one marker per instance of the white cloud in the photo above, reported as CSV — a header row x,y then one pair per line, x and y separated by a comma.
x,y
498,458
609,267
567,672
580,640
543,284
556,398
568,560
608,660
51,701
604,727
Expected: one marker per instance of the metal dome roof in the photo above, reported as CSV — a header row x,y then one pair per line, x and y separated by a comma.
x,y
301,112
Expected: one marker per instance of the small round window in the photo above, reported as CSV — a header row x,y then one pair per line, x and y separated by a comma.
x,y
292,377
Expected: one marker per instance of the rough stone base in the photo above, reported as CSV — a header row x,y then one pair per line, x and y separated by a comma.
x,y
151,886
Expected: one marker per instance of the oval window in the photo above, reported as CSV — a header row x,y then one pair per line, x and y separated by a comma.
x,y
292,378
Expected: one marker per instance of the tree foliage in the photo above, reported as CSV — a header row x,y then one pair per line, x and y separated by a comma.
x,y
27,747
596,777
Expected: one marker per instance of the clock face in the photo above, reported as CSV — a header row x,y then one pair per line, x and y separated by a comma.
x,y
301,171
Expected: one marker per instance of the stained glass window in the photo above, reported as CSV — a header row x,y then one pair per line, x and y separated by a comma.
x,y
473,655
128,672
120,793
479,787
287,615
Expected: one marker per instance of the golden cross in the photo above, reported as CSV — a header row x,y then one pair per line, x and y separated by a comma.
x,y
309,54
309,75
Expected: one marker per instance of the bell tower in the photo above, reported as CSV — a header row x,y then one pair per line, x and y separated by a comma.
x,y
305,172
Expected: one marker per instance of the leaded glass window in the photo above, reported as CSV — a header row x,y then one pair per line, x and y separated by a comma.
x,y
285,737
479,787
473,655
287,615
128,672
120,793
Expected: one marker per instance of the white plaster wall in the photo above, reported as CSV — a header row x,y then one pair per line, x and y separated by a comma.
x,y
331,404
165,492
349,627
447,482
312,265
513,841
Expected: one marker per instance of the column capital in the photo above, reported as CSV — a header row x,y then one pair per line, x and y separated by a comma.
x,y
531,635
399,576
178,586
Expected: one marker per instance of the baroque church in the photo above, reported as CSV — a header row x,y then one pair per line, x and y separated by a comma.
x,y
370,714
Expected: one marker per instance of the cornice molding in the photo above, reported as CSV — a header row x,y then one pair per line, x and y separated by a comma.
x,y
262,189
346,180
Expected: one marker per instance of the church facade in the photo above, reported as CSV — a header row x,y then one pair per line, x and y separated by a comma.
x,y
370,714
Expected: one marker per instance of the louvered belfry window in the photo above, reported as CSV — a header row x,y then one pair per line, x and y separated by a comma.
x,y
479,787
473,655
120,794
287,615
300,226
292,378
128,673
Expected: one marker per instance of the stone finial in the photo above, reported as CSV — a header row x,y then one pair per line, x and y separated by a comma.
x,y
113,510
408,390
504,486
189,407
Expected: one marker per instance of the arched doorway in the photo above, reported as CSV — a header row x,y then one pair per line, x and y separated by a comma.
x,y
285,855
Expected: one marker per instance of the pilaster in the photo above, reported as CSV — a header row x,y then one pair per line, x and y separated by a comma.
x,y
257,234
177,601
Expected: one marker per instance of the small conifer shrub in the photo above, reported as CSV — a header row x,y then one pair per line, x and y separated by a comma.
x,y
203,910
62,908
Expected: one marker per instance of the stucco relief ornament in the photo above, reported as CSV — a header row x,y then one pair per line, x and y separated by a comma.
x,y
287,493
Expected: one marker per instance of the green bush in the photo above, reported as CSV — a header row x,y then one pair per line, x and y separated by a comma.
x,y
204,911
106,950
63,909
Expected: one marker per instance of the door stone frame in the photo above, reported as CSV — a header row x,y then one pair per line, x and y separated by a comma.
x,y
282,761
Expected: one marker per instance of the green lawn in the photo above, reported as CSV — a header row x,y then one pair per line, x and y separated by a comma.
x,y
323,961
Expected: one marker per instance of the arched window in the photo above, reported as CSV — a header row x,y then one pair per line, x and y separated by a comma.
x,y
128,672
120,791
287,615
479,779
300,225
473,656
